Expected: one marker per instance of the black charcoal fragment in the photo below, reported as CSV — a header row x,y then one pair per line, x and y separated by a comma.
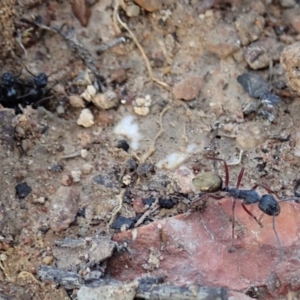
x,y
121,221
23,190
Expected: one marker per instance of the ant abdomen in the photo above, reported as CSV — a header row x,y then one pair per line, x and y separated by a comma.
x,y
208,182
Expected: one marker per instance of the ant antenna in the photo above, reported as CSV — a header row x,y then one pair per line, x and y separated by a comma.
x,y
277,238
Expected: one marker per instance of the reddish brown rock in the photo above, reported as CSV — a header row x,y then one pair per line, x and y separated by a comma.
x,y
194,248
139,206
64,207
188,88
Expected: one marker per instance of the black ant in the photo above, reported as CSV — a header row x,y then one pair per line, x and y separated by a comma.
x,y
36,92
211,183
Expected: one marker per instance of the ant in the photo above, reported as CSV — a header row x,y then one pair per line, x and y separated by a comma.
x,y
211,183
36,91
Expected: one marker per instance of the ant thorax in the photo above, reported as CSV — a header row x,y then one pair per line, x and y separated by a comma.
x,y
247,196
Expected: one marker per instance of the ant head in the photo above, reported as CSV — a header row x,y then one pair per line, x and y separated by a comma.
x,y
208,182
41,80
8,79
269,205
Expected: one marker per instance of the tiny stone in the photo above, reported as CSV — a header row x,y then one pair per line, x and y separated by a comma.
x,y
89,93
63,208
126,179
188,88
132,10
40,200
25,145
76,101
209,13
47,260
84,153
141,110
118,76
3,257
23,190
60,110
86,168
76,175
106,101
86,118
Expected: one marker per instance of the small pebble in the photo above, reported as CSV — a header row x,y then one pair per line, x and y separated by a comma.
x,y
76,176
40,200
3,257
132,10
84,153
188,88
60,110
86,168
126,179
86,118
89,93
63,208
118,76
141,111
107,100
76,101
47,260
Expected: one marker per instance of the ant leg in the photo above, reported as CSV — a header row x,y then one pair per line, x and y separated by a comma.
x,y
278,240
252,215
231,249
225,166
240,177
266,188
206,196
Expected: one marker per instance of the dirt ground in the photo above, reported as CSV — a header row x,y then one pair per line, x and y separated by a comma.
x,y
97,180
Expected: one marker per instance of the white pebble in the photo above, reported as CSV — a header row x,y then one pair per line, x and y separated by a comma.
x,y
60,110
86,118
89,93
76,176
84,153
86,168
